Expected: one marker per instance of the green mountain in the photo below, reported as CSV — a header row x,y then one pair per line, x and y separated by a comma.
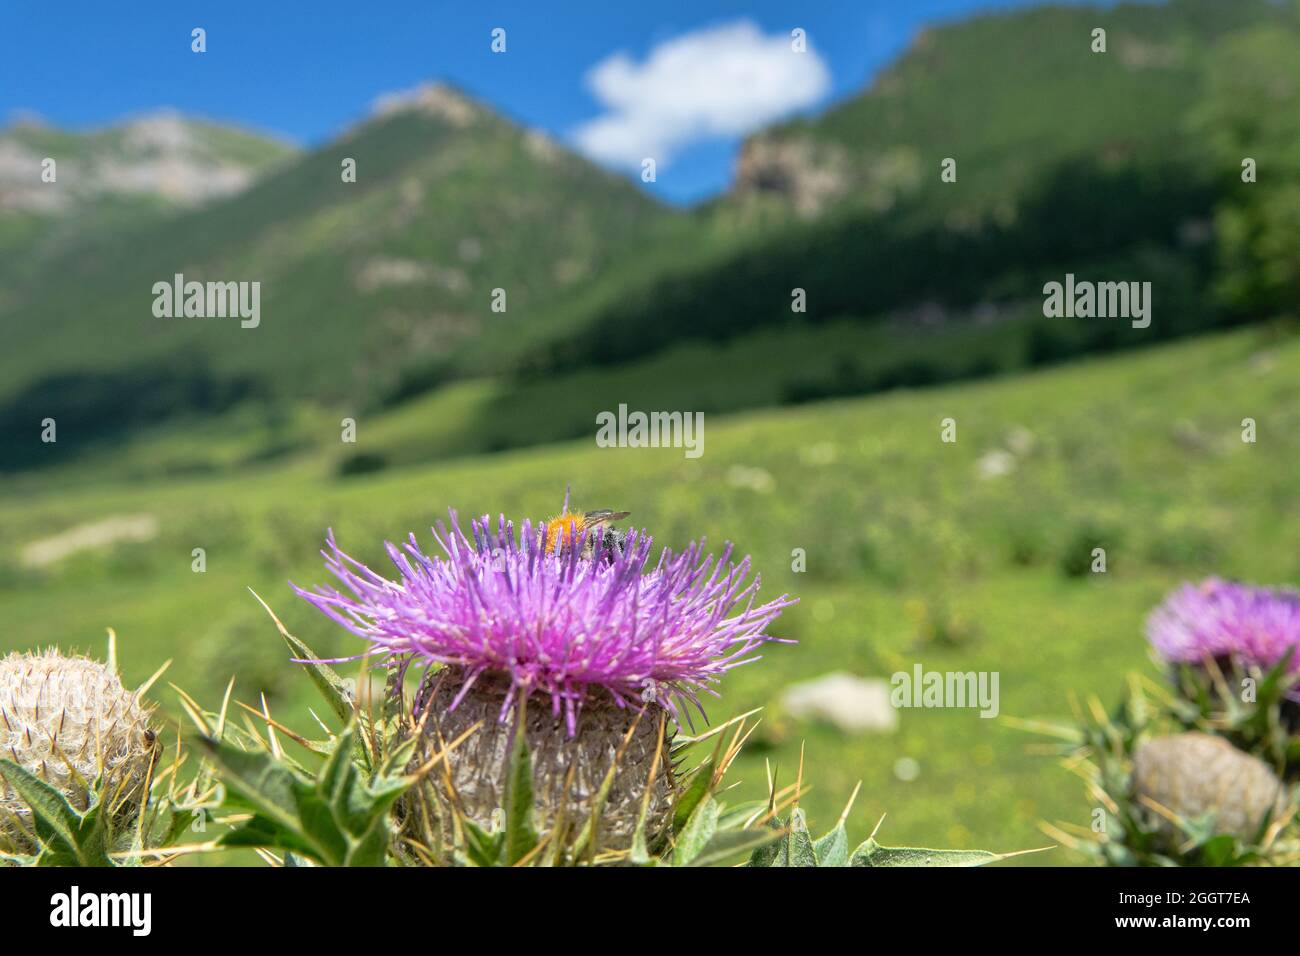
x,y
1008,96
359,280
1066,159
368,288
58,186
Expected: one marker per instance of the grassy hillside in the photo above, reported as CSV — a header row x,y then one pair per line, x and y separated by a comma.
x,y
960,556
773,367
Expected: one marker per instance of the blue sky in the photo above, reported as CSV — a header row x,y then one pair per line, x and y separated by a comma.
x,y
307,70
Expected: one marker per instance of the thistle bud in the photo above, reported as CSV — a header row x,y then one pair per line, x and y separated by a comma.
x,y
69,721
1193,774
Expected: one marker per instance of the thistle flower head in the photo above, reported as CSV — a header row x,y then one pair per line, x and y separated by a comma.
x,y
554,622
1251,626
69,721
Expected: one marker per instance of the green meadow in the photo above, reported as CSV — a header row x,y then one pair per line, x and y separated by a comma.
x,y
970,555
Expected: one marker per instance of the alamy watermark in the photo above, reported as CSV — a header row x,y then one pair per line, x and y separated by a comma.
x,y
651,430
946,689
1101,300
74,908
208,300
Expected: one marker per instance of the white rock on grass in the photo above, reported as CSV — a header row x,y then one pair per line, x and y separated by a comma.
x,y
853,704
996,464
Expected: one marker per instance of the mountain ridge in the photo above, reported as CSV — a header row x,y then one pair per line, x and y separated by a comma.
x,y
368,287
163,153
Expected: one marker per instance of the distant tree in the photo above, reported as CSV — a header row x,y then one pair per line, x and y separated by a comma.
x,y
1250,119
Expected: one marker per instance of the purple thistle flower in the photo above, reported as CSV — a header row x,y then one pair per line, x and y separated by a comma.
x,y
559,624
1252,626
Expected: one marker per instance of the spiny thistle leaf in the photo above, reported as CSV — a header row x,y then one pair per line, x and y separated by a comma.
x,y
257,781
177,818
520,835
331,686
68,838
770,854
740,815
833,848
727,845
51,810
357,809
799,845
482,848
696,790
698,832
871,853
792,843
259,832
335,818
337,782
370,846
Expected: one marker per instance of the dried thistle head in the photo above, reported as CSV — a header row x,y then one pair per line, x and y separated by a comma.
x,y
70,722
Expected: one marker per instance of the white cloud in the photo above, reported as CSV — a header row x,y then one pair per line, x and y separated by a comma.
x,y
717,82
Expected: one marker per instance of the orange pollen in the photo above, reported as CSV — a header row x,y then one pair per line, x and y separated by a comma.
x,y
562,530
